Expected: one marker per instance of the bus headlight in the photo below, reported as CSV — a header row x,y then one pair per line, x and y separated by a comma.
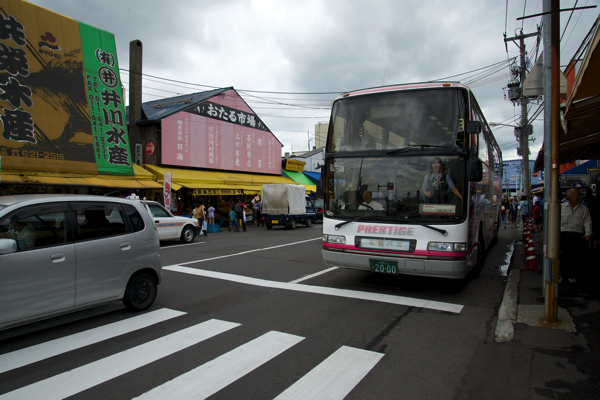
x,y
337,239
440,246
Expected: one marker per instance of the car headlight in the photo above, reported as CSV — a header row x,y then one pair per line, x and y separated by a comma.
x,y
337,239
441,246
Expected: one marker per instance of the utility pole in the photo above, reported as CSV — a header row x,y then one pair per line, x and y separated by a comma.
x,y
525,129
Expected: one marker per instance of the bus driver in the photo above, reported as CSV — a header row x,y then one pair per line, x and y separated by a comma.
x,y
369,203
434,184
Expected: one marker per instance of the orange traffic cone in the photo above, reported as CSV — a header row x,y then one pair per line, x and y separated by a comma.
x,y
531,259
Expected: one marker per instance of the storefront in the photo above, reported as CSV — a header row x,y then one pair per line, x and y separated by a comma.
x,y
69,137
213,187
15,182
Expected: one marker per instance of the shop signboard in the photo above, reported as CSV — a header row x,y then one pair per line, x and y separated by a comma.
x,y
220,133
61,105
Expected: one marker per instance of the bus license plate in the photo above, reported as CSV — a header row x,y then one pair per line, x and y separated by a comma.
x,y
274,222
384,267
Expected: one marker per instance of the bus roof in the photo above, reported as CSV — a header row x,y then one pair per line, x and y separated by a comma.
x,y
407,86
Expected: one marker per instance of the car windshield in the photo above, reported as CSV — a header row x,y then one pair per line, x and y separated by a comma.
x,y
319,203
397,120
427,188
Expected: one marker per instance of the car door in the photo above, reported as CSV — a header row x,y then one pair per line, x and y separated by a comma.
x,y
165,223
107,251
39,278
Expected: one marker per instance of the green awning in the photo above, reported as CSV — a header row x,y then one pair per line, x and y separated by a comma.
x,y
300,179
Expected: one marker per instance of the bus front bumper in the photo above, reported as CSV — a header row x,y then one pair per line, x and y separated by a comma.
x,y
436,267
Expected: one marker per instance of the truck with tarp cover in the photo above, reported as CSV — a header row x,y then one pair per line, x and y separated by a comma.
x,y
286,205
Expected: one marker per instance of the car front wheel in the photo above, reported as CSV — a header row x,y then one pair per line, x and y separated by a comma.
x,y
140,292
187,235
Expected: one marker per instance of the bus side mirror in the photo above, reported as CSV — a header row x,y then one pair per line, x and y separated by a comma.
x,y
474,167
474,127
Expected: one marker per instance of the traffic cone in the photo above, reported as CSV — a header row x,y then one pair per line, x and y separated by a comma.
x,y
530,222
531,258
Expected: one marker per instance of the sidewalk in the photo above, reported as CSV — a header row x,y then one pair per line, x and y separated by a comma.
x,y
564,362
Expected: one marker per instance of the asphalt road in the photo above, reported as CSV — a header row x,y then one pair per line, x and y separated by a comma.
x,y
257,315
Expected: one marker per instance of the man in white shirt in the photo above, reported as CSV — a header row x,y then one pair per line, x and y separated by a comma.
x,y
368,201
575,222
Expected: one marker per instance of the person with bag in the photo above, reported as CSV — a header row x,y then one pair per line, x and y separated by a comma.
x,y
239,214
201,215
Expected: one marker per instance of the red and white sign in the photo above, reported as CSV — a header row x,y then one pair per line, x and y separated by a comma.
x,y
167,190
150,148
193,140
535,174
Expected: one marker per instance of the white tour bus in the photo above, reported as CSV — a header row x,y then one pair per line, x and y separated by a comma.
x,y
412,181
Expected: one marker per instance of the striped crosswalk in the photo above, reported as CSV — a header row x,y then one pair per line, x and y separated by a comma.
x,y
333,378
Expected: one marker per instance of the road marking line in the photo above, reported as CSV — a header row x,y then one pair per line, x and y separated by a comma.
x,y
209,378
313,275
82,378
351,294
249,251
29,355
335,377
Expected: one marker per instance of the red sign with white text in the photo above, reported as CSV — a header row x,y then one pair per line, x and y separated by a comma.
x,y
222,133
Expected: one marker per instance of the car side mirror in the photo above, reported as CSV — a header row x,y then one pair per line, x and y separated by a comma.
x,y
474,127
474,166
8,246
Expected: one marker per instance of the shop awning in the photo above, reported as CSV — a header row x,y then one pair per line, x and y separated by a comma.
x,y
582,111
313,176
300,179
140,180
216,182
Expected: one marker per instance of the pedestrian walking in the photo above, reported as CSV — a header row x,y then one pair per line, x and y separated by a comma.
x,y
575,235
504,210
255,200
258,207
524,209
211,214
201,215
239,214
537,217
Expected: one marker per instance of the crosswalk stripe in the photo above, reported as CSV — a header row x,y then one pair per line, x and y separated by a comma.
x,y
352,294
213,376
29,355
335,377
95,373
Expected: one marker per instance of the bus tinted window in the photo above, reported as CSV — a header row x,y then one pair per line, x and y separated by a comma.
x,y
396,120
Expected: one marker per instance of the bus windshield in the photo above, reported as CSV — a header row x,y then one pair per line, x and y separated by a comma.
x,y
396,120
429,189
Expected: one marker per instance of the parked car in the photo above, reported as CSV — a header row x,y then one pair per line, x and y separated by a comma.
x,y
171,227
319,207
63,253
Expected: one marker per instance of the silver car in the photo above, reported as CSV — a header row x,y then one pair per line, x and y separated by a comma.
x,y
63,253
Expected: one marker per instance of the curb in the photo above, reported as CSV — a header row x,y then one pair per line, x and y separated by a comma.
x,y
507,313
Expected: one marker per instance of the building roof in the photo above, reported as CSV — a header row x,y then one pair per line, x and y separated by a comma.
x,y
309,153
154,111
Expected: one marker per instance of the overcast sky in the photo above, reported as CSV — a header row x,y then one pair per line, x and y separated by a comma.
x,y
323,46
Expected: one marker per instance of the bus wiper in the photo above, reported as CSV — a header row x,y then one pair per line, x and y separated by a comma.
x,y
413,147
337,227
442,231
